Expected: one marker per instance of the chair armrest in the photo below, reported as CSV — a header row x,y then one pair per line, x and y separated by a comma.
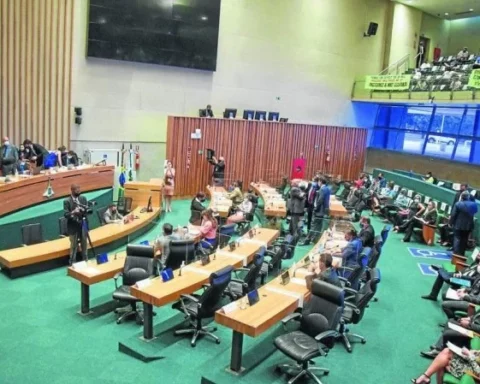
x,y
350,290
189,297
269,253
353,306
241,270
205,286
291,317
115,278
239,281
344,280
323,335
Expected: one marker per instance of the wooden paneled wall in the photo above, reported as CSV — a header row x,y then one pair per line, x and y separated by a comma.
x,y
259,150
35,69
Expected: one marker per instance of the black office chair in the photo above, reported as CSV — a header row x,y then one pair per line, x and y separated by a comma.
x,y
318,323
350,277
62,227
139,265
355,305
180,250
124,205
239,287
32,234
273,257
376,252
225,233
101,214
198,307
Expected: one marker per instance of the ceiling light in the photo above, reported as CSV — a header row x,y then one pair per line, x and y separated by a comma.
x,y
204,18
446,13
471,9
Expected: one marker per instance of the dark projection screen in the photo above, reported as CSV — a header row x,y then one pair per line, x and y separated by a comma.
x,y
181,33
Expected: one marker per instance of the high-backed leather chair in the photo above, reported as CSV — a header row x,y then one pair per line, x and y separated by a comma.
x,y
139,265
32,234
62,227
239,287
318,323
180,250
199,307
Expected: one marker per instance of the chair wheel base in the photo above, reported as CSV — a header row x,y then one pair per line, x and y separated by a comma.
x,y
363,341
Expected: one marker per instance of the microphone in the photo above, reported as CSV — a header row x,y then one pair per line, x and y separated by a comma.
x,y
101,162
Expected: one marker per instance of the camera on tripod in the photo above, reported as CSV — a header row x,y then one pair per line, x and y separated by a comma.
x,y
86,209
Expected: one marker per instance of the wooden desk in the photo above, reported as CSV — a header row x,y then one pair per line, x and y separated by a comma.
x,y
140,192
337,210
274,204
194,276
24,192
39,257
218,202
276,302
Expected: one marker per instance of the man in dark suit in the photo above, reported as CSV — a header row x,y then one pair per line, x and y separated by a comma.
x,y
463,188
8,157
218,170
312,190
296,206
321,208
196,209
367,233
209,111
466,296
34,152
462,222
324,271
73,210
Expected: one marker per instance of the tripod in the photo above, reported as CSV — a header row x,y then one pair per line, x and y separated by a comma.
x,y
86,232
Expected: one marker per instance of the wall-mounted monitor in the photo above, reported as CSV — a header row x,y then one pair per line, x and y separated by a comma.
x,y
248,114
260,115
273,116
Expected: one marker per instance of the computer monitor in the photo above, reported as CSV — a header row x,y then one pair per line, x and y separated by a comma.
x,y
273,116
149,205
248,114
284,119
253,297
210,154
230,113
260,115
202,113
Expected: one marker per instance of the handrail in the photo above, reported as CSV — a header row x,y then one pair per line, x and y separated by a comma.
x,y
397,64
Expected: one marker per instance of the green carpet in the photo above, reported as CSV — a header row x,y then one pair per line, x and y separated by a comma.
x,y
44,340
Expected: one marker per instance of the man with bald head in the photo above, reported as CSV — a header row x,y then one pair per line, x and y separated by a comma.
x,y
218,170
8,157
73,212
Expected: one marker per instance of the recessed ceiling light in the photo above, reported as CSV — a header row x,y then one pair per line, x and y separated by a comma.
x,y
446,13
471,9
204,18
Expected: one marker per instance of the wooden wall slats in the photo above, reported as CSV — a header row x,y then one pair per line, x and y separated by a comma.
x,y
259,150
35,70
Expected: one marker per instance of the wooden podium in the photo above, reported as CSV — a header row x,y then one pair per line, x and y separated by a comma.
x,y
140,192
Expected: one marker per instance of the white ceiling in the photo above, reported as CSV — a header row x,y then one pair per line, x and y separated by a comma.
x,y
456,9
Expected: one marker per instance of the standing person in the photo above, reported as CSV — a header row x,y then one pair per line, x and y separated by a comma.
x,y
321,208
309,203
8,157
209,111
35,152
218,170
462,222
296,206
236,194
73,211
169,179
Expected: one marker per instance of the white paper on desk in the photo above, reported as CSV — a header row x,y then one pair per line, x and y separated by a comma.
x,y
452,294
460,329
80,266
91,270
455,349
296,280
143,283
230,307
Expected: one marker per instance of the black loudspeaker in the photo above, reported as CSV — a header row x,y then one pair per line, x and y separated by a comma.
x,y
78,111
372,29
78,120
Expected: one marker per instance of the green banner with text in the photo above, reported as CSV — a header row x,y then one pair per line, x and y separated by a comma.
x,y
474,80
388,82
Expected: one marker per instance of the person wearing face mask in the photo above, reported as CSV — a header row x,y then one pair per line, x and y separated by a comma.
x,y
469,273
403,218
34,152
466,296
429,178
112,215
242,211
8,157
351,252
22,164
312,190
429,217
196,208
367,233
73,210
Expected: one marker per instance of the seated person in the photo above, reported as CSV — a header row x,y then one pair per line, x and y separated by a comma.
x,y
428,178
401,203
466,296
367,233
162,244
402,218
34,153
22,165
448,361
429,217
242,210
455,84
208,229
66,158
351,252
236,194
469,273
463,55
196,209
322,269
112,215
384,195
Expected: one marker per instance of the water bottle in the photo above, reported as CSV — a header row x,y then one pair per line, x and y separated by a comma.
x,y
181,268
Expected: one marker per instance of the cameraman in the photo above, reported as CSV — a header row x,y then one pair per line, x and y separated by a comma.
x,y
218,170
74,208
